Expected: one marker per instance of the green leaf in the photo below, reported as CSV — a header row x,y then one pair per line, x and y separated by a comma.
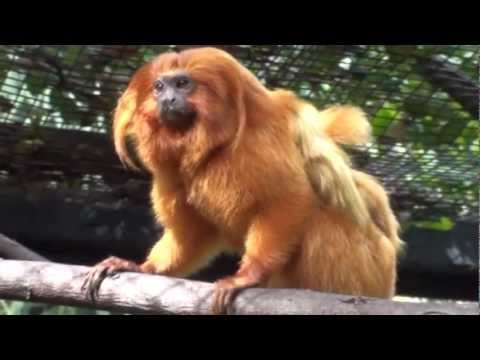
x,y
63,104
36,84
3,75
384,118
149,54
456,125
72,54
443,224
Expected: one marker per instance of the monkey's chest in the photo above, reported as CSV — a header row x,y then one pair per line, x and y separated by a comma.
x,y
224,202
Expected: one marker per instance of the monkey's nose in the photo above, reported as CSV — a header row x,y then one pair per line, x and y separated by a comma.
x,y
169,103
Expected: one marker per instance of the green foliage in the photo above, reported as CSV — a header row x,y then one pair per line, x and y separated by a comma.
x,y
442,224
35,83
23,308
383,118
72,55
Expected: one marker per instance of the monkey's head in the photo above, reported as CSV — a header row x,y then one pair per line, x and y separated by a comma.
x,y
198,99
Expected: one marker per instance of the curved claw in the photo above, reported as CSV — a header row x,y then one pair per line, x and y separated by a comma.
x,y
92,282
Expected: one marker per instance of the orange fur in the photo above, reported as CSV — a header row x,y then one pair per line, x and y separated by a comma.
x,y
261,173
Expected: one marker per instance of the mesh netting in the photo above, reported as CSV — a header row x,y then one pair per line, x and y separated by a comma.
x,y
56,104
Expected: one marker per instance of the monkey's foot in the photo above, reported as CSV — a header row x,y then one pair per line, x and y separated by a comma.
x,y
225,292
106,268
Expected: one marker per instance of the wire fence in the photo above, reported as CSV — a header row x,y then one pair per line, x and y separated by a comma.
x,y
56,104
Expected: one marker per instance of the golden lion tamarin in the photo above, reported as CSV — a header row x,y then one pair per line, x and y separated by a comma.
x,y
238,167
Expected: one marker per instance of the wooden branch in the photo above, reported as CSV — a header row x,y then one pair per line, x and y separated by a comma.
x,y
139,293
12,250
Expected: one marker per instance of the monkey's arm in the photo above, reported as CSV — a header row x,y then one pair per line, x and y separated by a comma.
x,y
171,256
271,239
189,241
188,244
181,254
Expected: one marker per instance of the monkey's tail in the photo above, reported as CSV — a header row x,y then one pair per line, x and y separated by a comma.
x,y
346,125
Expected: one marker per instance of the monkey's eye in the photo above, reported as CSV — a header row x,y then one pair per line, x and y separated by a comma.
x,y
182,83
158,86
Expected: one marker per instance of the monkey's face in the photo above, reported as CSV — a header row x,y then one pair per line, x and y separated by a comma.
x,y
171,92
191,100
198,92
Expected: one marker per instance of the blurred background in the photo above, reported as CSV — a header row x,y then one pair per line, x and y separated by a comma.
x,y
65,195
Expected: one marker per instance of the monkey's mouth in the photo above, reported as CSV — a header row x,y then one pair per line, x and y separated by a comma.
x,y
178,118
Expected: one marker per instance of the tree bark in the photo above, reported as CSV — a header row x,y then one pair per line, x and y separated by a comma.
x,y
150,294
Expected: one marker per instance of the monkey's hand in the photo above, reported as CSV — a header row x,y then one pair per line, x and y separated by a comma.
x,y
99,272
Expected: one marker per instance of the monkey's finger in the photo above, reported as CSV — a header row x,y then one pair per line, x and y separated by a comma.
x,y
88,280
228,299
222,300
217,301
94,287
87,283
